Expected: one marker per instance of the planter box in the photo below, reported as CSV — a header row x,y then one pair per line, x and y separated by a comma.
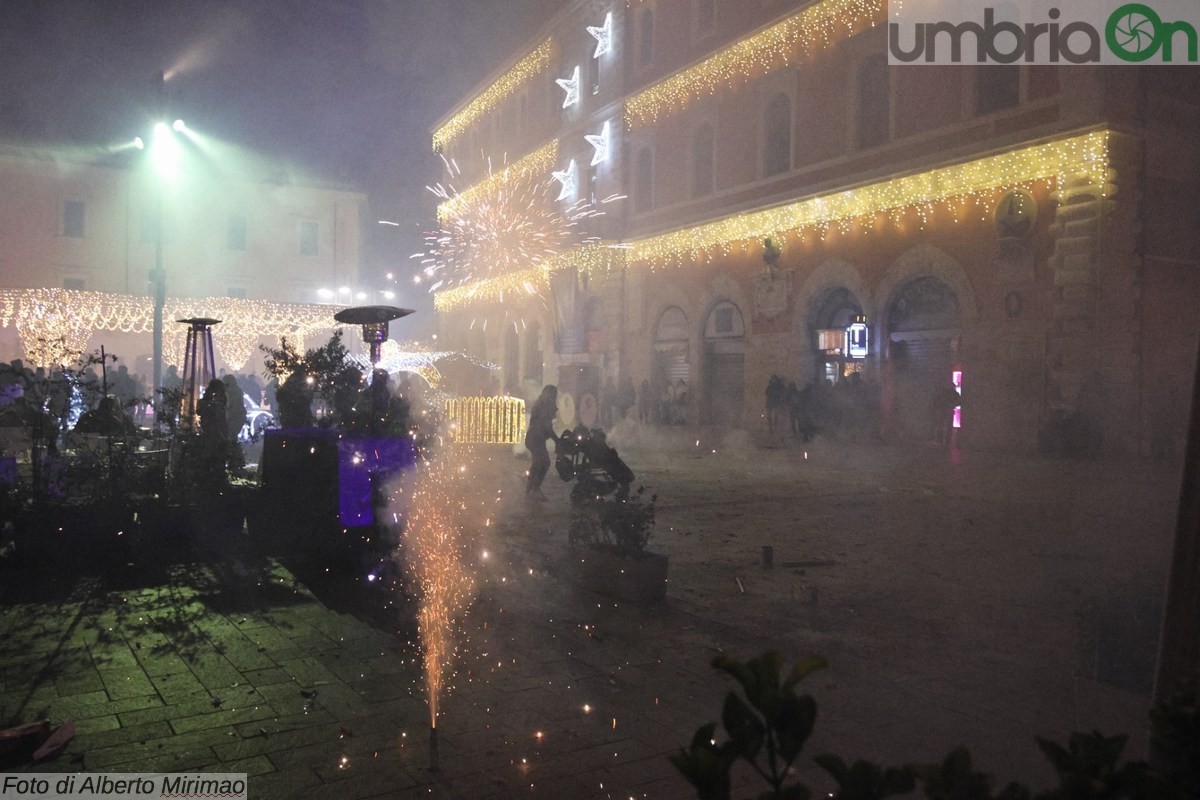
x,y
635,580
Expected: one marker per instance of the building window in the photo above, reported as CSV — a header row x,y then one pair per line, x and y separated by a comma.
x,y
997,87
73,218
235,235
777,145
643,181
646,37
75,284
702,161
706,15
874,102
594,74
236,292
308,238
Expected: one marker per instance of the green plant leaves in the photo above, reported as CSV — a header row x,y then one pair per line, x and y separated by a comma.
x,y
865,780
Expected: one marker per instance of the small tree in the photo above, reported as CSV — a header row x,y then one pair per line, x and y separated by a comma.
x,y
324,374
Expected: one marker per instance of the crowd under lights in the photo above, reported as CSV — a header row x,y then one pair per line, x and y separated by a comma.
x,y
533,64
968,186
794,40
55,324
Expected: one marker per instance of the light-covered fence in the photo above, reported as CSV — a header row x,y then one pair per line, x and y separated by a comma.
x,y
486,420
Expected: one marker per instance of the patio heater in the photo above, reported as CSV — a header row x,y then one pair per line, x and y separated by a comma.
x,y
199,367
374,321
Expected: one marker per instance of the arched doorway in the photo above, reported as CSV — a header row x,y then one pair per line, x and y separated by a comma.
x,y
670,367
923,341
724,365
833,313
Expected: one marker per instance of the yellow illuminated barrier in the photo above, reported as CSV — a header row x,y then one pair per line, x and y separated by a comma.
x,y
486,420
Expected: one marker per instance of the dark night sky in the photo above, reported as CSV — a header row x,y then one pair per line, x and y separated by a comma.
x,y
348,89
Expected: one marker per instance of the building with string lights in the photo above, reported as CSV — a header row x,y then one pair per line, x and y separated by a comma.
x,y
253,247
778,200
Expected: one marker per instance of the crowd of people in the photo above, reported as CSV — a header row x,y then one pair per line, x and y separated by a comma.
x,y
849,408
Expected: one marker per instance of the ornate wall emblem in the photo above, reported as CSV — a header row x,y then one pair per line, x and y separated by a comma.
x,y
772,290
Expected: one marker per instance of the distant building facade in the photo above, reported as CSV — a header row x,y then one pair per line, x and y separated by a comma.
x,y
229,240
794,206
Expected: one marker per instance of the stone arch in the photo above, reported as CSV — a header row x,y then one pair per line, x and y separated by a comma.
x,y
830,276
925,261
923,345
717,394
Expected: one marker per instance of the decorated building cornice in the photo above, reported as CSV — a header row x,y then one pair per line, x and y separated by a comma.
x,y
516,287
964,187
486,101
796,39
532,167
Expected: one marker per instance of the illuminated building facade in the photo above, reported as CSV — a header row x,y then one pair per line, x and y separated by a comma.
x,y
81,233
795,206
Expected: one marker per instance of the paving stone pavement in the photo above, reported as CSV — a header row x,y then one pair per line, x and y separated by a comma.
x,y
237,665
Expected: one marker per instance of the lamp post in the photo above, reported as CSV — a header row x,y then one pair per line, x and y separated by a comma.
x,y
158,275
374,321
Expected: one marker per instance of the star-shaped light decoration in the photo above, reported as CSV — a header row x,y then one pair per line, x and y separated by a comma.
x,y
600,142
571,87
569,180
603,36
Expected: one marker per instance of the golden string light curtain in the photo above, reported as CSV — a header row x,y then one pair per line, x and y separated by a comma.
x,y
54,325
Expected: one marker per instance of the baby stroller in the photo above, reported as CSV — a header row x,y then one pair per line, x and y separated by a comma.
x,y
600,476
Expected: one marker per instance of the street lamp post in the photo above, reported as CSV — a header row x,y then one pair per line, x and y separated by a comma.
x,y
158,275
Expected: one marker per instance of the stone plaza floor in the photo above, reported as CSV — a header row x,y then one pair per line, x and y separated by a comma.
x,y
961,598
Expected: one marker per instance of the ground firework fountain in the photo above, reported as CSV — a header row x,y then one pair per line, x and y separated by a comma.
x,y
436,546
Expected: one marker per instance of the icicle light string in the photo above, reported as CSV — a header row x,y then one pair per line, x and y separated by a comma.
x,y
536,62
961,186
794,40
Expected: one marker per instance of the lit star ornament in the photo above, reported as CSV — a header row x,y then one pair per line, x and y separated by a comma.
x,y
569,179
603,36
600,142
571,87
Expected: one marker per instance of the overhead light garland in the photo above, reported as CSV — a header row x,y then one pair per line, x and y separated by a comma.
x,y
54,325
530,168
536,62
794,40
397,357
970,183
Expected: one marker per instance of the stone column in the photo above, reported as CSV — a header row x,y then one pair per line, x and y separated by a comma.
x,y
1092,339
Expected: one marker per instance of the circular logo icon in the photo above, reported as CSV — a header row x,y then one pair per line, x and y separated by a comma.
x,y
1133,32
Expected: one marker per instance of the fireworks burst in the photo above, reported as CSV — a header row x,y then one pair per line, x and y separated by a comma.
x,y
502,234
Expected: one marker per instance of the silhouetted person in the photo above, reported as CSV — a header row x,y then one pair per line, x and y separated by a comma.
x,y
945,400
541,428
213,409
235,407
